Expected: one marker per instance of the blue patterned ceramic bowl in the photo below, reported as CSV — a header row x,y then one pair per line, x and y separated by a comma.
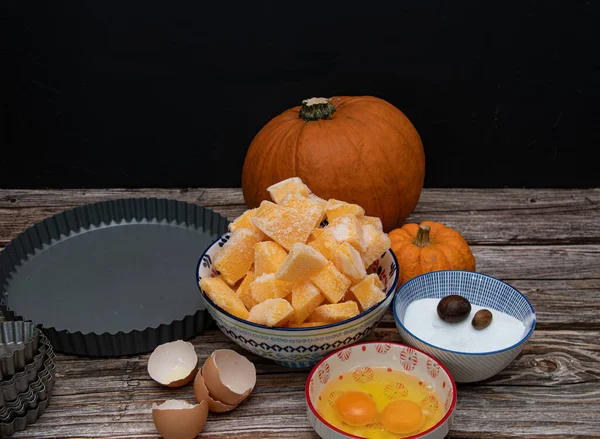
x,y
299,347
481,290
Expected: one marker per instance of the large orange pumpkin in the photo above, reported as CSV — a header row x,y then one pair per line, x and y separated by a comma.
x,y
360,150
429,246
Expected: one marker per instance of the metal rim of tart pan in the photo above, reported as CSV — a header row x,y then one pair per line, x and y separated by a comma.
x,y
30,417
21,383
111,278
19,342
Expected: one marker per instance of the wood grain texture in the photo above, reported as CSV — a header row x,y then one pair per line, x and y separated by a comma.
x,y
498,216
546,243
112,397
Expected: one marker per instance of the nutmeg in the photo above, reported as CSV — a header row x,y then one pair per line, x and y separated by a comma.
x,y
482,319
454,308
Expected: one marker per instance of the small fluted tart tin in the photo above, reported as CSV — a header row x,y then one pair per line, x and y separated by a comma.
x,y
111,278
20,383
18,344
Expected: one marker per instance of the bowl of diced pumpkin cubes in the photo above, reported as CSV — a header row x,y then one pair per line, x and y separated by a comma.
x,y
299,276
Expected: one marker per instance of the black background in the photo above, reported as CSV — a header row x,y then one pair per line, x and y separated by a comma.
x,y
170,93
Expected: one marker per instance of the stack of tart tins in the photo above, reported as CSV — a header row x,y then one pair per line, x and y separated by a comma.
x,y
26,375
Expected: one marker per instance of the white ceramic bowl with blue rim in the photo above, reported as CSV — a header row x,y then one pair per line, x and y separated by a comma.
x,y
360,359
299,347
481,290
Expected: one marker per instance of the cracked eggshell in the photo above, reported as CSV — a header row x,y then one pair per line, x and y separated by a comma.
x,y
173,364
229,376
201,394
176,419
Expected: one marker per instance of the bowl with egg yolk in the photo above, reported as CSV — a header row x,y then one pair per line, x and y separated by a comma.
x,y
380,390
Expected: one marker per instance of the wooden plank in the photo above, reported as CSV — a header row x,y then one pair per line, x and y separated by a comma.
x,y
549,358
544,242
497,216
112,397
539,262
432,200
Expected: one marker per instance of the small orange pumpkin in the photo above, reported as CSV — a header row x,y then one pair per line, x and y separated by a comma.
x,y
429,246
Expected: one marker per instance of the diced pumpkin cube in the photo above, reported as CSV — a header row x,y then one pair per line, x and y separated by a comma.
x,y
243,292
243,221
292,185
324,242
367,293
316,233
223,296
306,207
372,220
319,200
271,312
305,299
348,261
335,312
267,287
347,229
283,224
337,208
375,280
306,324
237,255
268,256
300,264
377,243
331,282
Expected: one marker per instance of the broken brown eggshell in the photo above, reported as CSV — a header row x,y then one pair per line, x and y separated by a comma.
x,y
229,376
173,364
176,419
201,393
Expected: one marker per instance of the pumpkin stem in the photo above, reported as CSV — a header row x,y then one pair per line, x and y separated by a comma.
x,y
316,108
422,239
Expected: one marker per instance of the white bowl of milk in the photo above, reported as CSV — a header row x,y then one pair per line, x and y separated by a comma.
x,y
470,354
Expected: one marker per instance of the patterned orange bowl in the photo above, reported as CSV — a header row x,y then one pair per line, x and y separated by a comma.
x,y
403,373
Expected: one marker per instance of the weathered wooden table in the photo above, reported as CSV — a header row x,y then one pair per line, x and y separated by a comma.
x,y
544,242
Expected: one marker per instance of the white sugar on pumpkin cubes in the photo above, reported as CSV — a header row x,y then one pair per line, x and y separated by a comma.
x,y
266,287
347,229
337,208
293,185
367,292
348,261
280,268
335,312
271,312
243,291
332,283
323,241
312,211
301,263
223,296
237,255
283,224
306,297
268,256
371,220
376,244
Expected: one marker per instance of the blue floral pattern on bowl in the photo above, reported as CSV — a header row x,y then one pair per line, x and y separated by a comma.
x,y
299,347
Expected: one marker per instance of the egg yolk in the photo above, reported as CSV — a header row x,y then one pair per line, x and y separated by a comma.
x,y
356,408
402,417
